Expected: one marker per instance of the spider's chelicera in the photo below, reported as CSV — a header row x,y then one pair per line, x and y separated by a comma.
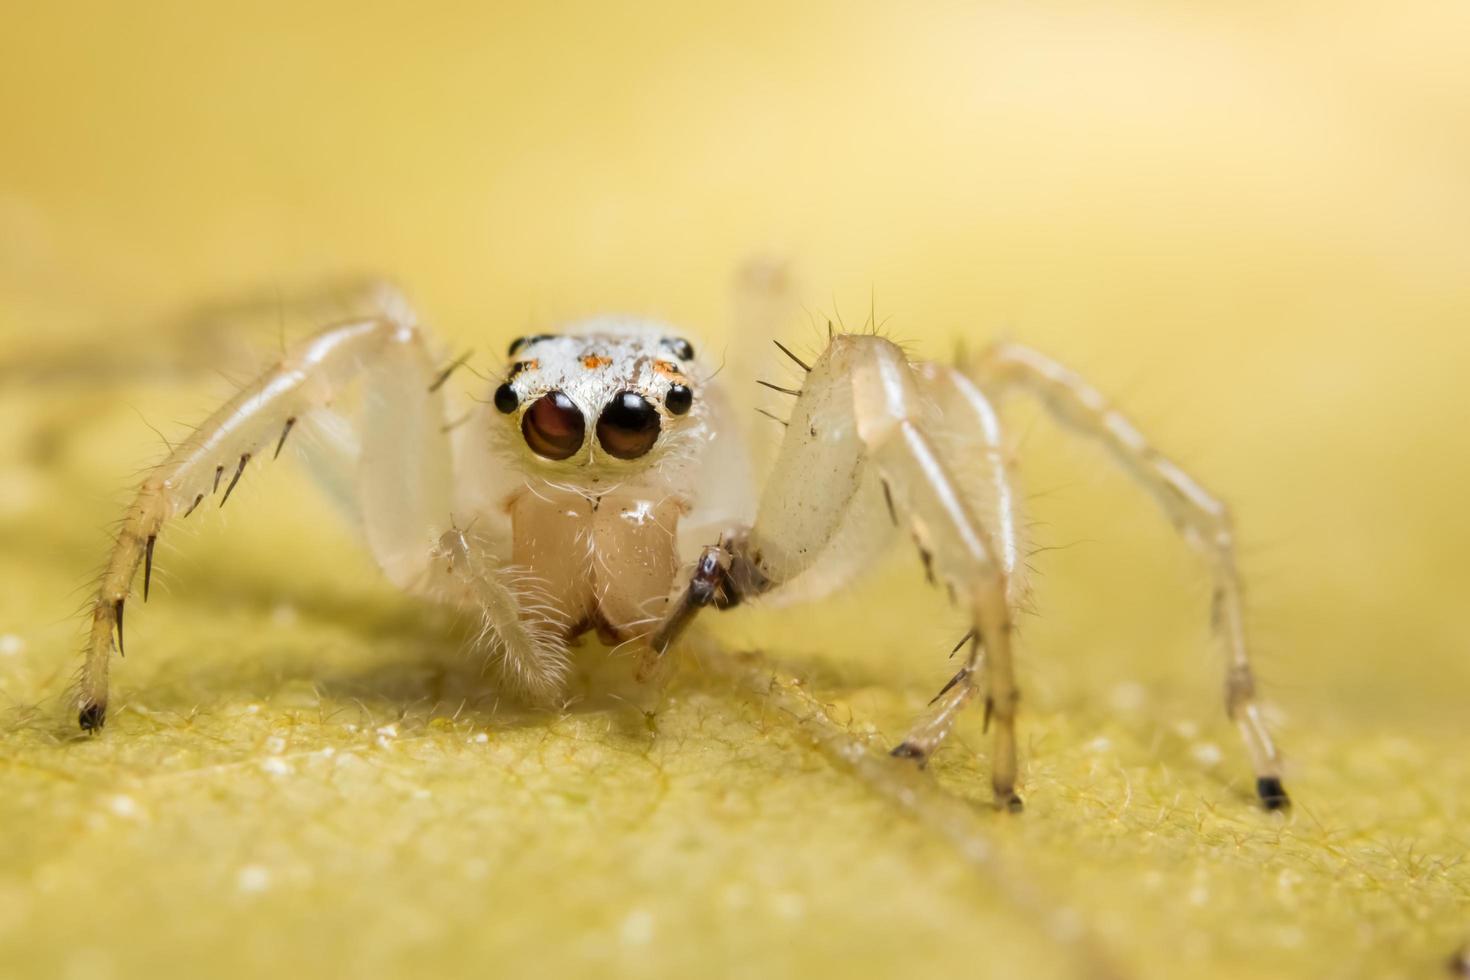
x,y
601,487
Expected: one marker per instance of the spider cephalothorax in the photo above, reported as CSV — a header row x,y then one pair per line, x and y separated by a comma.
x,y
611,495
602,393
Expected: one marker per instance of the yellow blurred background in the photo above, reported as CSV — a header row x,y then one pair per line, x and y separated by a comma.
x,y
1249,223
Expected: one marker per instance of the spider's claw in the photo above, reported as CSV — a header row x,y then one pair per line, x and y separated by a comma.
x,y
92,717
908,750
1009,802
1272,793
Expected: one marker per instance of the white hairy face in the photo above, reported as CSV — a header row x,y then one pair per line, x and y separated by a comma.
x,y
606,398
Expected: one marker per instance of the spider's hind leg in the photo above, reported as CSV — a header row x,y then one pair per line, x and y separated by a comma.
x,y
1202,519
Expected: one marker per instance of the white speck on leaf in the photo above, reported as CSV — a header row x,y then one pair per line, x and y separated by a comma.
x,y
125,806
253,879
789,905
1128,696
637,928
1207,753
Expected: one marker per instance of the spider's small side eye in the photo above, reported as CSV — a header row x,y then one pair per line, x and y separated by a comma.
x,y
679,399
680,348
553,426
628,426
506,399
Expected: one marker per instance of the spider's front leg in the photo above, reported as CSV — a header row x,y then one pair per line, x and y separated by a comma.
x,y
858,429
401,458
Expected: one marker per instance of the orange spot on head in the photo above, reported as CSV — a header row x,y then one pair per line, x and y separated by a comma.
x,y
594,361
668,369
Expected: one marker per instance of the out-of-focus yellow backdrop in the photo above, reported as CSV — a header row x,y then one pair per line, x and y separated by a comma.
x,y
1251,224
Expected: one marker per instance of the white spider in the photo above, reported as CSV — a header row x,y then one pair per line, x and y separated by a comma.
x,y
602,487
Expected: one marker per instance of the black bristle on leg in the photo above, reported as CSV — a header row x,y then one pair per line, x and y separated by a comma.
x,y
92,717
148,565
799,362
1272,793
244,459
284,433
117,608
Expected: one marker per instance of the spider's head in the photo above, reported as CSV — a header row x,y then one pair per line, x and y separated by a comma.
x,y
612,396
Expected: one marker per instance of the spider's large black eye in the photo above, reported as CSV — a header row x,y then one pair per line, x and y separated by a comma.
x,y
681,348
553,427
628,426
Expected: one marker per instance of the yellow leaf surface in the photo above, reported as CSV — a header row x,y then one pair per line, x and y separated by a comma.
x,y
1250,226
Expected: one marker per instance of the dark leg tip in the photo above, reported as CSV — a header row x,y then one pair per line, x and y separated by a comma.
x,y
1009,802
908,750
1272,793
92,717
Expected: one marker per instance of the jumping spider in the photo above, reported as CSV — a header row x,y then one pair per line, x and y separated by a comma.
x,y
578,496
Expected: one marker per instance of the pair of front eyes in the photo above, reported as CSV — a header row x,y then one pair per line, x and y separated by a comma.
x,y
628,427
